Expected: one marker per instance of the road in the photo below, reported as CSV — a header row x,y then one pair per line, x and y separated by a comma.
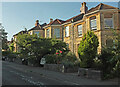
x,y
15,74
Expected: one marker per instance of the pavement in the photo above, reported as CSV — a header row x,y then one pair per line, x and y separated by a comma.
x,y
16,74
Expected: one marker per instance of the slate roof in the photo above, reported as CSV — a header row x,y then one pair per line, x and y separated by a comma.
x,y
20,32
56,22
39,27
100,7
76,18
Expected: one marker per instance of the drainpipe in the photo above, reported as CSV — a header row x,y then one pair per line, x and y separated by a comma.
x,y
72,38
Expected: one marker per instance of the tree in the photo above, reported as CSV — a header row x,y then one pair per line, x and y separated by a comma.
x,y
88,49
3,37
35,48
11,47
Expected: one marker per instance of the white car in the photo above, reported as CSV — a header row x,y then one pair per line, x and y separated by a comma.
x,y
42,62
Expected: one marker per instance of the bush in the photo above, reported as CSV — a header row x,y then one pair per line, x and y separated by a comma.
x,y
88,49
9,54
106,64
70,57
51,59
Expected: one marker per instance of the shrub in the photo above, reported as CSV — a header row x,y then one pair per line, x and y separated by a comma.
x,y
51,59
106,64
88,49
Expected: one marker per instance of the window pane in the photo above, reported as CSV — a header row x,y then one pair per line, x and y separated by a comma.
x,y
57,33
37,32
79,30
67,31
108,23
93,24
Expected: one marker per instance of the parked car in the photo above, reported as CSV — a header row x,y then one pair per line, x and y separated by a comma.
x,y
3,58
42,62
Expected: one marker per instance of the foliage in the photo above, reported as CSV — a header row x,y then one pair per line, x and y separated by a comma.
x,y
88,49
67,59
9,54
3,37
33,47
51,59
70,57
11,47
110,57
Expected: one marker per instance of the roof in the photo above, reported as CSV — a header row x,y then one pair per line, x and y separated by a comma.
x,y
20,32
56,22
76,18
100,7
39,27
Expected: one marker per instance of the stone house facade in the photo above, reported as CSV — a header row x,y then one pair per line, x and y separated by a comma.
x,y
97,19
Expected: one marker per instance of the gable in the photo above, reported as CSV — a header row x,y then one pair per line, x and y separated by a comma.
x,y
56,23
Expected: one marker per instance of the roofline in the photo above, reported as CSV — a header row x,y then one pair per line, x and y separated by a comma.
x,y
110,10
78,21
91,12
66,23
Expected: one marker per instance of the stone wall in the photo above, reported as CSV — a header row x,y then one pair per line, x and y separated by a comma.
x,y
89,73
60,68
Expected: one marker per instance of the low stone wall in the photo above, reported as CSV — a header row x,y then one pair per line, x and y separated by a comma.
x,y
54,67
60,68
89,73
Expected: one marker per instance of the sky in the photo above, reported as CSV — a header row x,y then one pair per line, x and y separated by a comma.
x,y
19,15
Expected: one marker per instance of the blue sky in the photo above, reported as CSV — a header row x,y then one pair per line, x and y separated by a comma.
x,y
18,15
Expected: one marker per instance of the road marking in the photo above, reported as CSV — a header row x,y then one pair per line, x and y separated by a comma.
x,y
28,79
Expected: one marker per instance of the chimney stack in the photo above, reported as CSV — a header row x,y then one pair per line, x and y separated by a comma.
x,y
37,23
83,8
51,19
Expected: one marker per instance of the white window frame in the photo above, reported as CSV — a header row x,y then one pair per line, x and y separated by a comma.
x,y
93,27
80,30
108,27
67,31
57,33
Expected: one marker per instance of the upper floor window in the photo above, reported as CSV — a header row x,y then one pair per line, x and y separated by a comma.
x,y
30,33
108,22
79,30
47,33
67,31
57,33
37,32
93,23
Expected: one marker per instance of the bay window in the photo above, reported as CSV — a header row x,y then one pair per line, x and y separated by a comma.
x,y
57,33
108,23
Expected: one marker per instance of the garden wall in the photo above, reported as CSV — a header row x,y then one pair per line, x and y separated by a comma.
x,y
89,73
60,68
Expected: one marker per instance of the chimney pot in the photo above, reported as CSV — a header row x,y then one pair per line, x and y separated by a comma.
x,y
83,8
51,19
37,23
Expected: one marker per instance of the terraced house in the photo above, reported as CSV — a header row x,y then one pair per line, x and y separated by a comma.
x,y
98,19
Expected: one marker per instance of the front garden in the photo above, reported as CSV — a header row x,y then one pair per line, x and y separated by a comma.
x,y
59,58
